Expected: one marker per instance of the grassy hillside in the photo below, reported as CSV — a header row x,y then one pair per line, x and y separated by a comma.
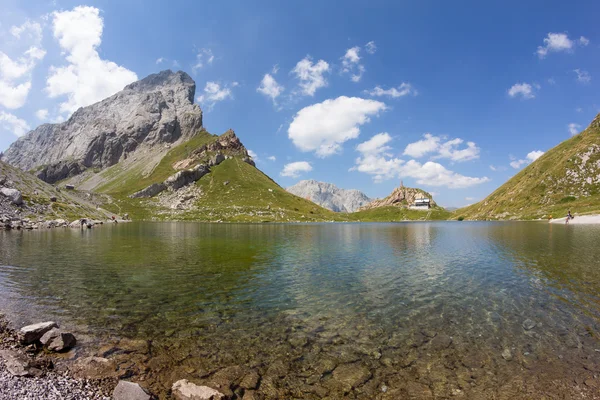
x,y
248,196
234,191
69,205
565,177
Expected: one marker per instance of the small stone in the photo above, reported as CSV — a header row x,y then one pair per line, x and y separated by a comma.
x,y
351,375
593,383
129,391
528,324
507,355
32,333
250,380
441,342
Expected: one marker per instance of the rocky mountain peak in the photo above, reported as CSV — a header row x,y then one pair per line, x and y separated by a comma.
x,y
144,116
329,196
166,80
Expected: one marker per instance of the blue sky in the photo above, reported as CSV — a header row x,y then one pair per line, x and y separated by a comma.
x,y
351,90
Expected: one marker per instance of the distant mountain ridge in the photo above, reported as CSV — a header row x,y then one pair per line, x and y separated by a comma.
x,y
156,110
329,196
565,177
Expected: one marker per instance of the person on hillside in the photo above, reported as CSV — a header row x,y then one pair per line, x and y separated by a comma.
x,y
569,216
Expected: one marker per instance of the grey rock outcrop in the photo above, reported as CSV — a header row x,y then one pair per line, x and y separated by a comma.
x,y
13,195
158,109
32,333
330,196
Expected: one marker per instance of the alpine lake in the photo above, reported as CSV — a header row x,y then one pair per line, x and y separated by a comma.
x,y
475,310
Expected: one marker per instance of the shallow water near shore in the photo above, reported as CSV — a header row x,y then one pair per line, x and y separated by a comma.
x,y
482,310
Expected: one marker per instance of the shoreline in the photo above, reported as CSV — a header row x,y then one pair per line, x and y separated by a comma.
x,y
40,377
578,220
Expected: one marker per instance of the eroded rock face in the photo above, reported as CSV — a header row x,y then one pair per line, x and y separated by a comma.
x,y
156,110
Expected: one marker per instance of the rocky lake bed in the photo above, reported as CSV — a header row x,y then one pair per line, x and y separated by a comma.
x,y
235,312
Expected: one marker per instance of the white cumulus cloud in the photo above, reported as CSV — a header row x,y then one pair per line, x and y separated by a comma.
x,y
324,127
270,88
529,158
583,76
403,90
272,158
351,64
311,76
370,47
295,169
12,124
203,57
87,78
435,145
574,128
559,42
523,90
15,74
376,160
214,93
42,114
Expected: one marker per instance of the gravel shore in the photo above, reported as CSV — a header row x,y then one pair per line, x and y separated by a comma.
x,y
52,385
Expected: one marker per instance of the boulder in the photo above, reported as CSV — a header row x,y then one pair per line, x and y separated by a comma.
x,y
13,194
18,364
32,333
216,159
129,391
186,390
150,191
94,368
57,340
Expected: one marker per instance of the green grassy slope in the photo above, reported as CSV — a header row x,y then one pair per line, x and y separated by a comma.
x,y
565,177
234,191
124,184
237,191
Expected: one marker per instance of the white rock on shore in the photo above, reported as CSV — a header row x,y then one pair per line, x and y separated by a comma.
x,y
186,390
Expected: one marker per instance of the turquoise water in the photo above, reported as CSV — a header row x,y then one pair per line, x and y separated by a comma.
x,y
337,310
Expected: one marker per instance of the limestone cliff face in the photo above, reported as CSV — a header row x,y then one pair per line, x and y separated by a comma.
x,y
330,196
401,196
156,110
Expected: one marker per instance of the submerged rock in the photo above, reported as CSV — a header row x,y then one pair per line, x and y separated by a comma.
x,y
186,390
129,391
528,324
32,333
351,375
